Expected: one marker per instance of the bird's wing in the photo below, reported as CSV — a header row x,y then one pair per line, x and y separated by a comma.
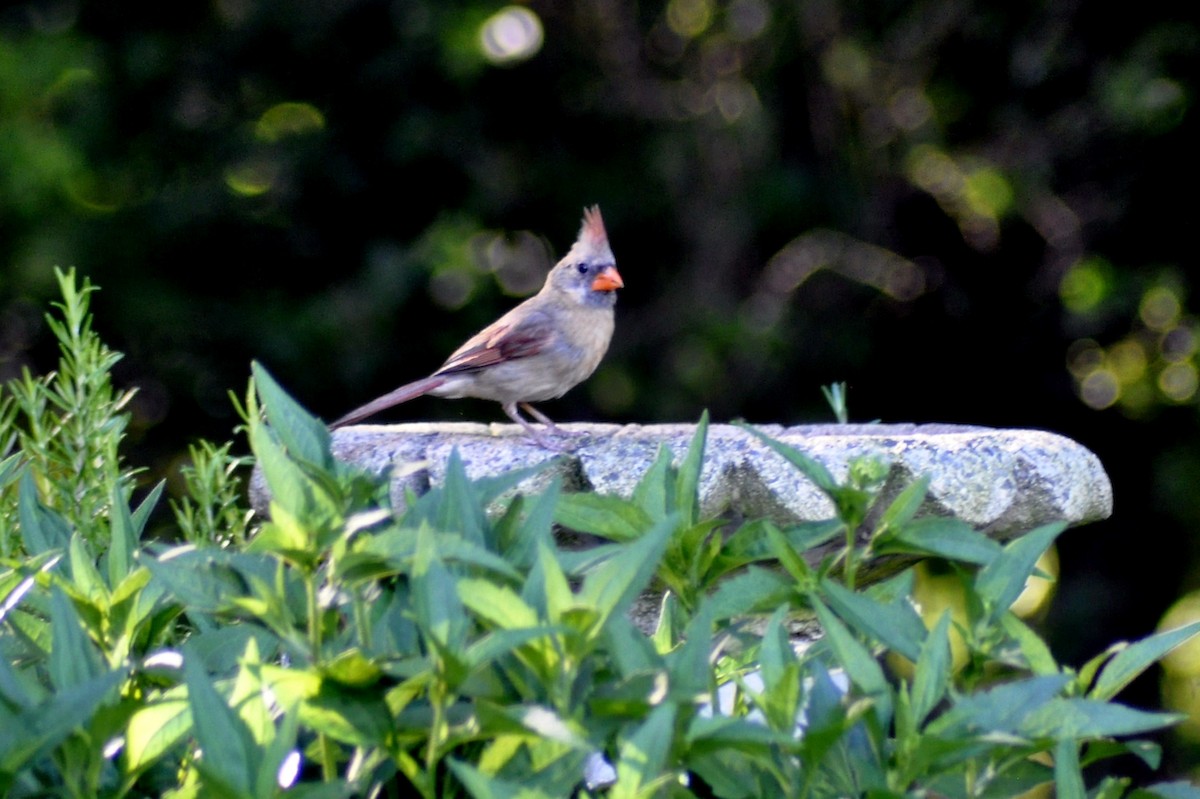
x,y
506,340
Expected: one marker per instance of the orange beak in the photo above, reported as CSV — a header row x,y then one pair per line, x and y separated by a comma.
x,y
609,279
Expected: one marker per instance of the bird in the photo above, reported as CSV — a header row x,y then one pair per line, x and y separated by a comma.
x,y
539,350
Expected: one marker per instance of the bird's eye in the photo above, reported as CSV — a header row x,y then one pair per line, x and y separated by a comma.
x,y
582,267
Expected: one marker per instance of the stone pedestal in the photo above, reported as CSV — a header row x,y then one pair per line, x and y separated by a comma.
x,y
999,481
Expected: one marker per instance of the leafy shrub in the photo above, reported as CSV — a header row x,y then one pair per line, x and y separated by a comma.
x,y
347,648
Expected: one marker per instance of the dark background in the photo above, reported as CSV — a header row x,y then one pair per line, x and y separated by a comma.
x,y
973,212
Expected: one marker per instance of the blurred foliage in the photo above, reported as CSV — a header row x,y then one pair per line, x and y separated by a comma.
x,y
967,211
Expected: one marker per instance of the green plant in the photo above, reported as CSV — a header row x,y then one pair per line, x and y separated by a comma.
x,y
67,425
451,647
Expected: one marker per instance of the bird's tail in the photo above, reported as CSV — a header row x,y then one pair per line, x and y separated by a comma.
x,y
402,394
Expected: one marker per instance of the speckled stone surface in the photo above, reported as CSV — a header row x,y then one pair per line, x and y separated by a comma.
x,y
1000,481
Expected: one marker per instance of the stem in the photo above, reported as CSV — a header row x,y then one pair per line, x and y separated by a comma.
x,y
314,617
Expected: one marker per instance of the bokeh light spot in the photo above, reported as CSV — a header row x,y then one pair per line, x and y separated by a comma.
x,y
1178,381
251,178
689,18
934,171
1178,344
988,192
1159,308
1128,360
747,18
847,64
511,35
1084,356
288,119
734,99
613,390
1085,285
452,288
1100,389
910,108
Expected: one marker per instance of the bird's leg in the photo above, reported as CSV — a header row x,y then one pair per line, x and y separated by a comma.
x,y
541,417
550,425
538,436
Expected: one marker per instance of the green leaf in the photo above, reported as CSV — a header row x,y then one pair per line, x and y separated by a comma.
x,y
156,728
546,588
497,604
604,515
85,578
1036,653
124,539
788,557
536,527
896,626
613,586
41,528
751,542
1134,659
351,668
1075,718
1002,580
814,470
74,659
290,487
1168,790
485,786
850,653
461,511
141,514
1068,776
304,436
687,483
688,665
906,504
755,589
654,493
643,755
931,676
39,729
435,596
1001,709
952,539
230,753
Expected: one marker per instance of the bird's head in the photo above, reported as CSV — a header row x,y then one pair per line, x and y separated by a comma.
x,y
588,272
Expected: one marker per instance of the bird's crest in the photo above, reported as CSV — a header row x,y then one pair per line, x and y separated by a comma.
x,y
592,233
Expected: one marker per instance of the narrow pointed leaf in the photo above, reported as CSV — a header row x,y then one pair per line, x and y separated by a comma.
x,y
654,493
643,756
230,753
41,528
1068,776
851,654
604,515
952,539
931,676
1134,659
1002,580
687,485
906,504
612,587
896,626
74,659
141,514
811,468
305,437
124,538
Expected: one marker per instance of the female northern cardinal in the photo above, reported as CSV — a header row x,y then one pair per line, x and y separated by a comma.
x,y
537,351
